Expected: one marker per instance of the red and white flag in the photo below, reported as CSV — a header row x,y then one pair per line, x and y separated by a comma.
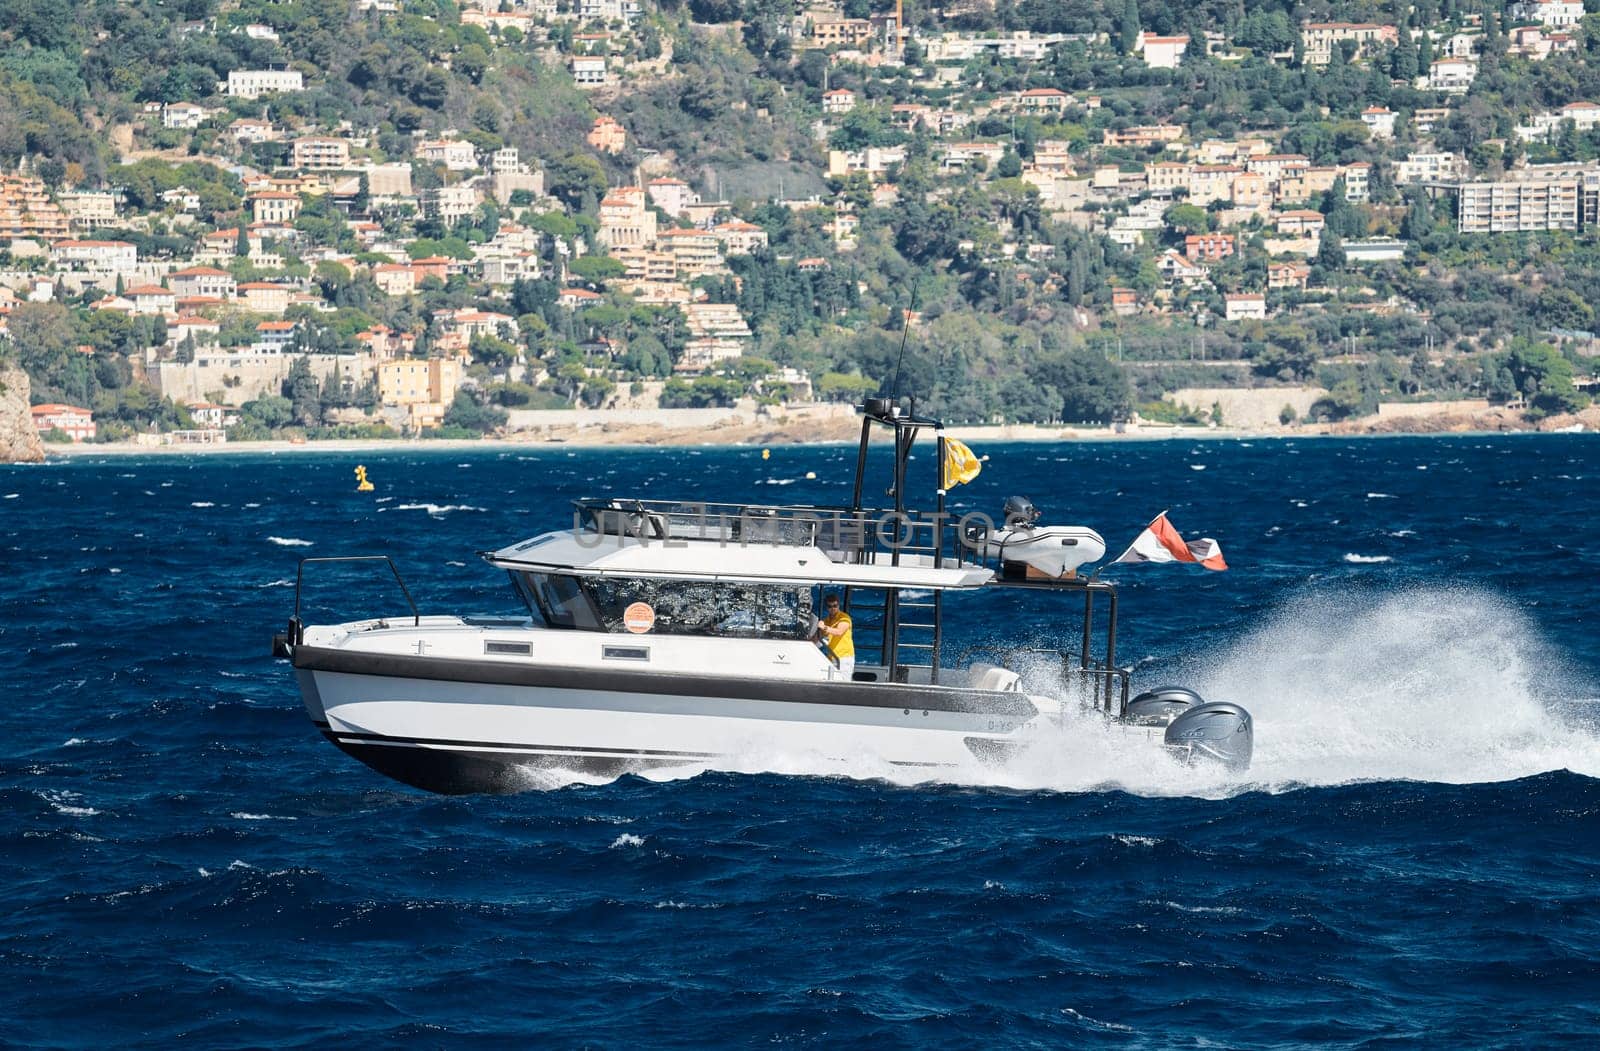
x,y
1160,542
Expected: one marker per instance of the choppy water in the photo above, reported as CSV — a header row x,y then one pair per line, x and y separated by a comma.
x,y
1415,858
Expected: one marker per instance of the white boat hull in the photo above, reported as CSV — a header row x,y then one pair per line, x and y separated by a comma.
x,y
457,735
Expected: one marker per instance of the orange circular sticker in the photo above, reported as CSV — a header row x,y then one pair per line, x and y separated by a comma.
x,y
639,618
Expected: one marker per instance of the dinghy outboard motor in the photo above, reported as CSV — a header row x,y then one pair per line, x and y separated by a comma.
x,y
1158,707
1220,732
1019,513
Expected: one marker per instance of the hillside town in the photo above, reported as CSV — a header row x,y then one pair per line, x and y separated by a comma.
x,y
378,218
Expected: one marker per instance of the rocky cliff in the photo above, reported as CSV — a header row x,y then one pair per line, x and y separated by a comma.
x,y
19,442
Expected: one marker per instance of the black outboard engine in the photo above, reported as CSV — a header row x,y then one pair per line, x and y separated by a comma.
x,y
1158,707
1019,513
1220,732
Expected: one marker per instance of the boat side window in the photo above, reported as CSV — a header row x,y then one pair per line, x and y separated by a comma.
x,y
681,607
562,601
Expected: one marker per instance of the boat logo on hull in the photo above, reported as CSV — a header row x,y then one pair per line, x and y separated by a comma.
x,y
639,618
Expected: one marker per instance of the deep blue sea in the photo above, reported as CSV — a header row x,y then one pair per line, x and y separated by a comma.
x,y
1414,859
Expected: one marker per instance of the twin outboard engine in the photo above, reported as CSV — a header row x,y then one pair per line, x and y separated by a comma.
x,y
1158,707
1219,731
1215,731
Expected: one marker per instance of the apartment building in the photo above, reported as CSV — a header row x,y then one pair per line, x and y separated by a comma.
x,y
203,281
625,220
1536,198
740,238
253,83
1430,167
75,422
1247,306
425,389
454,154
694,252
1208,247
449,203
109,256
318,153
1161,52
183,116
273,207
1553,14
840,32
1321,40
1144,135
26,210
588,71
86,209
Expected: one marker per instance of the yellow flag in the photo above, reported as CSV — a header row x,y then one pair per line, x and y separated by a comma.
x,y
960,465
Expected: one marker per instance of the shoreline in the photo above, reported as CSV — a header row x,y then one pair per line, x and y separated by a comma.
x,y
843,431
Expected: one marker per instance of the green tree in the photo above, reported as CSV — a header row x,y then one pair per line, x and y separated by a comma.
x,y
468,414
300,386
1187,219
596,269
1128,26
1092,387
575,179
1542,376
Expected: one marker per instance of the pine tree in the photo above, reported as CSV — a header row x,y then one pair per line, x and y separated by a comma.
x,y
1128,26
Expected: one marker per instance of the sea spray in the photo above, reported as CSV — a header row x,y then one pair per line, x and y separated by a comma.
x,y
1441,684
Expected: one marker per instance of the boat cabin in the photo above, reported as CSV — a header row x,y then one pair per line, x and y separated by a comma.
x,y
759,571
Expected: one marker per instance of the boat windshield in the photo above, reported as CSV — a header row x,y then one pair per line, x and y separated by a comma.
x,y
692,607
676,607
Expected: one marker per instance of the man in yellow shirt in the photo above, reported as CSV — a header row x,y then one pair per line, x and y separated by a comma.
x,y
835,629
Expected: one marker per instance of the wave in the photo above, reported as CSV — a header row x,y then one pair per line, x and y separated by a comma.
x,y
435,510
1362,560
288,541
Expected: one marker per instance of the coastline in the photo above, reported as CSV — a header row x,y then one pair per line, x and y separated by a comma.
x,y
842,430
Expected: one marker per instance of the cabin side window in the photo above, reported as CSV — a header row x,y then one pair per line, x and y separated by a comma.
x,y
741,611
561,600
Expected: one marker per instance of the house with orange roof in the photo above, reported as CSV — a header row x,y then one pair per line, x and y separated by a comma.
x,y
608,136
1042,100
205,281
394,279
265,297
739,237
839,100
75,422
574,298
150,299
672,196
273,337
113,256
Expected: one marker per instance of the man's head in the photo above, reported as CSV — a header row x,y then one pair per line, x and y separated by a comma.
x,y
831,603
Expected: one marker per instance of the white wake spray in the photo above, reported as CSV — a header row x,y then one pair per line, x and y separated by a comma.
x,y
1449,685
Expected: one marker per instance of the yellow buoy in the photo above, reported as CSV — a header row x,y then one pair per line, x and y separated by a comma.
x,y
766,454
811,476
362,485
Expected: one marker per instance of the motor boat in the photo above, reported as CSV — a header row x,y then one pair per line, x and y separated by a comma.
x,y
670,634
